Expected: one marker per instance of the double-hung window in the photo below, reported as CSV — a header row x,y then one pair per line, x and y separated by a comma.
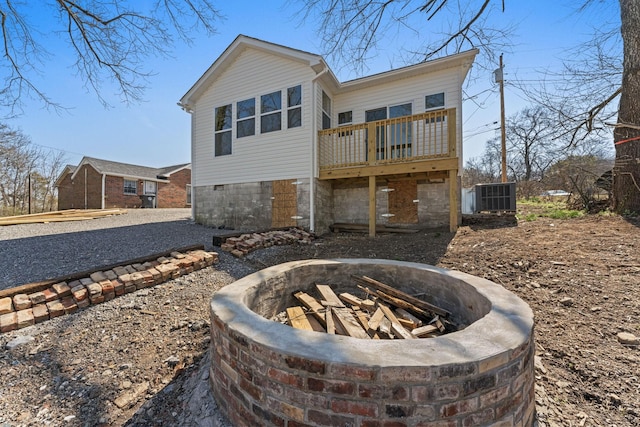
x,y
223,130
294,107
271,112
246,118
326,111
130,186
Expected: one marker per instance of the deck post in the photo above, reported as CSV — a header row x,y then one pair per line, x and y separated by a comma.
x,y
372,206
453,200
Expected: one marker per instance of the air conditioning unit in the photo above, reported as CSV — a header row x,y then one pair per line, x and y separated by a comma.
x,y
498,197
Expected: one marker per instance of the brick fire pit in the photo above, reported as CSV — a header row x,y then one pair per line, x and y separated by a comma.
x,y
266,373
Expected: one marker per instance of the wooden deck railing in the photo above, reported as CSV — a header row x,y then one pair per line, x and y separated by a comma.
x,y
422,136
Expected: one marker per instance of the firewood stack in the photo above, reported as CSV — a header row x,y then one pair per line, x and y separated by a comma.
x,y
385,313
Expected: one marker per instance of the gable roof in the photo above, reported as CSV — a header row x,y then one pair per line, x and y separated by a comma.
x,y
239,45
108,167
68,169
317,63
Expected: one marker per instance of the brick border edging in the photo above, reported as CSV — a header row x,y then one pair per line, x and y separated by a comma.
x,y
66,297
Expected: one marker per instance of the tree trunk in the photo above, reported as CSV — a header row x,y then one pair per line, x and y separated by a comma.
x,y
626,176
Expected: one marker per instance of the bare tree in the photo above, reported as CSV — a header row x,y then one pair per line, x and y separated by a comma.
x,y
110,40
352,28
27,174
529,143
17,160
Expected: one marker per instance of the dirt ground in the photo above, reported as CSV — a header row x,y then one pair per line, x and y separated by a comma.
x,y
580,276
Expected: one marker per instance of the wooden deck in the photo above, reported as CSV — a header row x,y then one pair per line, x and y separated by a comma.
x,y
418,144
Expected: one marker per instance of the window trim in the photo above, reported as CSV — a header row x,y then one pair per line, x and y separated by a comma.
x,y
225,129
437,107
326,113
246,118
264,114
135,187
293,107
350,122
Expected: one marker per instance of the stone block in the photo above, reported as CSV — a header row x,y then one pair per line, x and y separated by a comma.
x,y
50,294
130,288
25,318
86,281
8,322
109,296
55,308
147,278
98,276
6,305
69,305
120,271
118,287
83,303
107,287
74,284
157,276
37,298
137,279
80,294
62,289
40,313
94,289
97,299
21,301
111,275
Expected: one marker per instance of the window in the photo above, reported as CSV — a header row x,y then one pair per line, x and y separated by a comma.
x,y
246,118
392,141
130,186
294,107
270,110
223,130
434,101
326,111
345,118
400,133
377,114
188,194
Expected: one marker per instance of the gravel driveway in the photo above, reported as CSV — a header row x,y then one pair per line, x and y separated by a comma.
x,y
35,252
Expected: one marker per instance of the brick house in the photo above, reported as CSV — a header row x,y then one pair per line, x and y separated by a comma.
x,y
277,141
101,184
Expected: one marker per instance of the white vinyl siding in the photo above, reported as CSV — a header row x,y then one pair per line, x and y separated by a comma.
x,y
276,155
409,90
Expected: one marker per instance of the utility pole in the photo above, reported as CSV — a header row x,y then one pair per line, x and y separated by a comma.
x,y
29,180
499,78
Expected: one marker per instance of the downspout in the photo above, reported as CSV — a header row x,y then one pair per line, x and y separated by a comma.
x,y
189,110
193,167
314,143
85,187
104,186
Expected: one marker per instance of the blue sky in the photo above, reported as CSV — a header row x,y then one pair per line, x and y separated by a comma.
x,y
157,132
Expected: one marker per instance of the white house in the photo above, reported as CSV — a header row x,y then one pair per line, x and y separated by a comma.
x,y
277,140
